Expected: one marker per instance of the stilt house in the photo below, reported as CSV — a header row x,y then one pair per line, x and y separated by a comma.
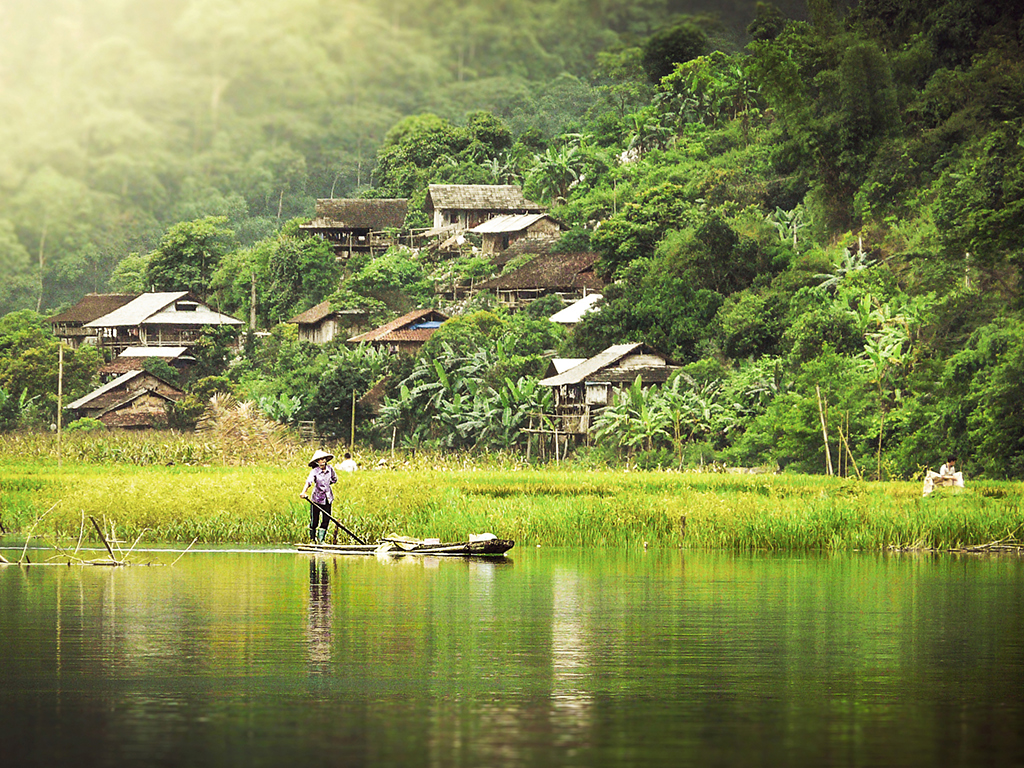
x,y
358,226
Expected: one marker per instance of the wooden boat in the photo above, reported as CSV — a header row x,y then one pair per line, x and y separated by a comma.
x,y
403,545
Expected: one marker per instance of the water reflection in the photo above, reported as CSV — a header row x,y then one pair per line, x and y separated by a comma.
x,y
562,658
571,695
319,617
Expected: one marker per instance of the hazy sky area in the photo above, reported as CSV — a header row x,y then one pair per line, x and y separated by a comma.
x,y
122,117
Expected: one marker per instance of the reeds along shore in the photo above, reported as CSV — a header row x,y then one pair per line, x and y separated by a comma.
x,y
136,488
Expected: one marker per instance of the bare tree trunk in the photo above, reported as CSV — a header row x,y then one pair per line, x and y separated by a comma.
x,y
42,267
252,303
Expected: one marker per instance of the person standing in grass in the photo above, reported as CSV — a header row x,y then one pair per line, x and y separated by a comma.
x,y
348,464
321,477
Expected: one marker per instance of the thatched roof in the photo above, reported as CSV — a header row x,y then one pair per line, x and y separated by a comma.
x,y
479,197
92,306
403,328
555,271
313,315
374,215
323,310
537,243
132,358
129,419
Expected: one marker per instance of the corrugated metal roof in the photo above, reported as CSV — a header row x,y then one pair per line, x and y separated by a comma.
x,y
587,369
113,384
99,391
137,311
562,364
508,223
399,328
478,197
574,312
167,352
200,316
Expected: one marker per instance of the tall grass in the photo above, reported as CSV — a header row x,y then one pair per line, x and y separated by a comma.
x,y
178,488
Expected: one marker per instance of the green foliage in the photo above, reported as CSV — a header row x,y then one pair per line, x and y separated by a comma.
x,y
213,350
394,278
463,334
188,256
981,204
162,369
656,302
291,271
767,24
985,393
634,232
184,413
86,425
336,394
668,47
751,323
129,276
29,365
17,287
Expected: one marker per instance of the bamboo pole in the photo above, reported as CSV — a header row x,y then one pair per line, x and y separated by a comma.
x,y
849,453
60,396
824,430
352,432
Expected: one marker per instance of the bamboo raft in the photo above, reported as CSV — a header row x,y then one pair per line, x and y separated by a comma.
x,y
402,545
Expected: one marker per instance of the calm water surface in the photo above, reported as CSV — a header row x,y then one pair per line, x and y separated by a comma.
x,y
555,657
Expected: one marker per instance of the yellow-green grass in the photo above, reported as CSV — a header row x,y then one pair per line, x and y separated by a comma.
x,y
552,506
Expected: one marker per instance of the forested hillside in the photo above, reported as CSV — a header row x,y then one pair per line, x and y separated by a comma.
x,y
124,117
818,209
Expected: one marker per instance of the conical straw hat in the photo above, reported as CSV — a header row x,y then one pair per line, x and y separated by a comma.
x,y
320,455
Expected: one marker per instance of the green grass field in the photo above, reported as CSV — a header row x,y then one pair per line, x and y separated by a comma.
x,y
130,485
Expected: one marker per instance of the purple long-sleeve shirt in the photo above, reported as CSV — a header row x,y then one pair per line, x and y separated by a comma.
x,y
322,480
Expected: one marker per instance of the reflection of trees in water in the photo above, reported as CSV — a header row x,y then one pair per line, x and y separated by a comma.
x,y
318,624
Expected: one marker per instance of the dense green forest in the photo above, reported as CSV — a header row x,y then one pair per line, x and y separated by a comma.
x,y
817,208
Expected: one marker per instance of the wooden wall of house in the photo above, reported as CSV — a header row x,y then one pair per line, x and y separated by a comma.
x,y
641,361
322,332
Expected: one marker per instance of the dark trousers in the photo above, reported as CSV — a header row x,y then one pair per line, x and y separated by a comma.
x,y
316,518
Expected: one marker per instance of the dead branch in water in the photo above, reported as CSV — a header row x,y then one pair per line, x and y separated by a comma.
x,y
103,538
1010,544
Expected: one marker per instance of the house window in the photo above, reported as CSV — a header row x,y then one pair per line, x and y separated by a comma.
x,y
186,306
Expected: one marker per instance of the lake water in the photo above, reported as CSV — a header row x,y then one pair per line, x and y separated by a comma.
x,y
553,658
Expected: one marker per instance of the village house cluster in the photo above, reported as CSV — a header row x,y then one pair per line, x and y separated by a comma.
x,y
495,220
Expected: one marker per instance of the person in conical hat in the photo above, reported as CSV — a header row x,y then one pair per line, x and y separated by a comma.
x,y
321,477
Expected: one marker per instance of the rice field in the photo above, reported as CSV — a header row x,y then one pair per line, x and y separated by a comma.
x,y
184,489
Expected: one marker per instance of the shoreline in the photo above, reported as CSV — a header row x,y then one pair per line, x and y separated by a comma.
x,y
258,505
